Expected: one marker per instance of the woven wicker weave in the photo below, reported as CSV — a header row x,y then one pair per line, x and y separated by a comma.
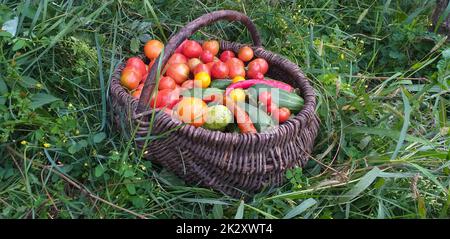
x,y
232,163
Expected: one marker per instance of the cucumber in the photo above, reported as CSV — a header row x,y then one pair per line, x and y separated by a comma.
x,y
220,83
292,101
261,120
202,93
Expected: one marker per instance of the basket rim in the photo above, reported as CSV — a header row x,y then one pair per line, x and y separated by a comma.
x,y
303,115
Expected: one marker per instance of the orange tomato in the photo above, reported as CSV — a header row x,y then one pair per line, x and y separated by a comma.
x,y
152,49
136,94
235,68
191,110
219,70
202,80
212,46
245,54
130,78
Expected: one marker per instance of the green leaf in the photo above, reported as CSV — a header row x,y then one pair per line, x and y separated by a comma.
x,y
217,211
240,211
99,170
364,183
41,99
130,188
99,137
300,208
128,173
19,45
134,45
361,17
3,91
407,111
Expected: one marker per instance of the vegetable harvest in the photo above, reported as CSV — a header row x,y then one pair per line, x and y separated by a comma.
x,y
205,87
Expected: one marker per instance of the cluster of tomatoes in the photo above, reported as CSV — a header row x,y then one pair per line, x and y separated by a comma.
x,y
193,65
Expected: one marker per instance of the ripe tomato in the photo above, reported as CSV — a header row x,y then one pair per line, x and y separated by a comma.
x,y
191,110
136,94
189,84
192,63
226,55
237,79
177,58
180,47
192,49
265,98
179,72
262,63
138,64
202,80
235,61
152,49
165,98
237,95
219,70
212,46
209,65
254,71
235,70
166,82
130,78
245,53
281,115
206,56
202,67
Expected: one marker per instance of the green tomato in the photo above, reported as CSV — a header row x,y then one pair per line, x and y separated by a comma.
x,y
218,117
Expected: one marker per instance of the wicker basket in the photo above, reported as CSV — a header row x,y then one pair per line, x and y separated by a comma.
x,y
232,163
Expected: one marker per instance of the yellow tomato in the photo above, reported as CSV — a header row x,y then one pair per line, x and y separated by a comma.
x,y
202,80
237,79
237,95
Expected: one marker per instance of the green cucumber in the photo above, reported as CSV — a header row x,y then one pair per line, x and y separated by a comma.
x,y
290,100
220,83
202,93
261,120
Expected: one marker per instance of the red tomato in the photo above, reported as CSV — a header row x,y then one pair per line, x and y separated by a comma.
x,y
166,83
281,115
265,98
262,63
193,62
192,49
202,67
189,84
212,46
179,72
206,56
236,61
177,58
226,55
163,98
152,49
209,65
180,47
219,70
254,71
235,70
130,78
138,64
245,53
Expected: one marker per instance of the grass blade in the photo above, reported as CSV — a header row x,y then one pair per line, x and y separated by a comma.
x,y
300,208
401,139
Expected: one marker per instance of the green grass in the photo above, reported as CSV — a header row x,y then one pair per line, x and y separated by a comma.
x,y
382,82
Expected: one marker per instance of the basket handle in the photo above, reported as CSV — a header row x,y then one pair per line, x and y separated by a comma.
x,y
183,34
